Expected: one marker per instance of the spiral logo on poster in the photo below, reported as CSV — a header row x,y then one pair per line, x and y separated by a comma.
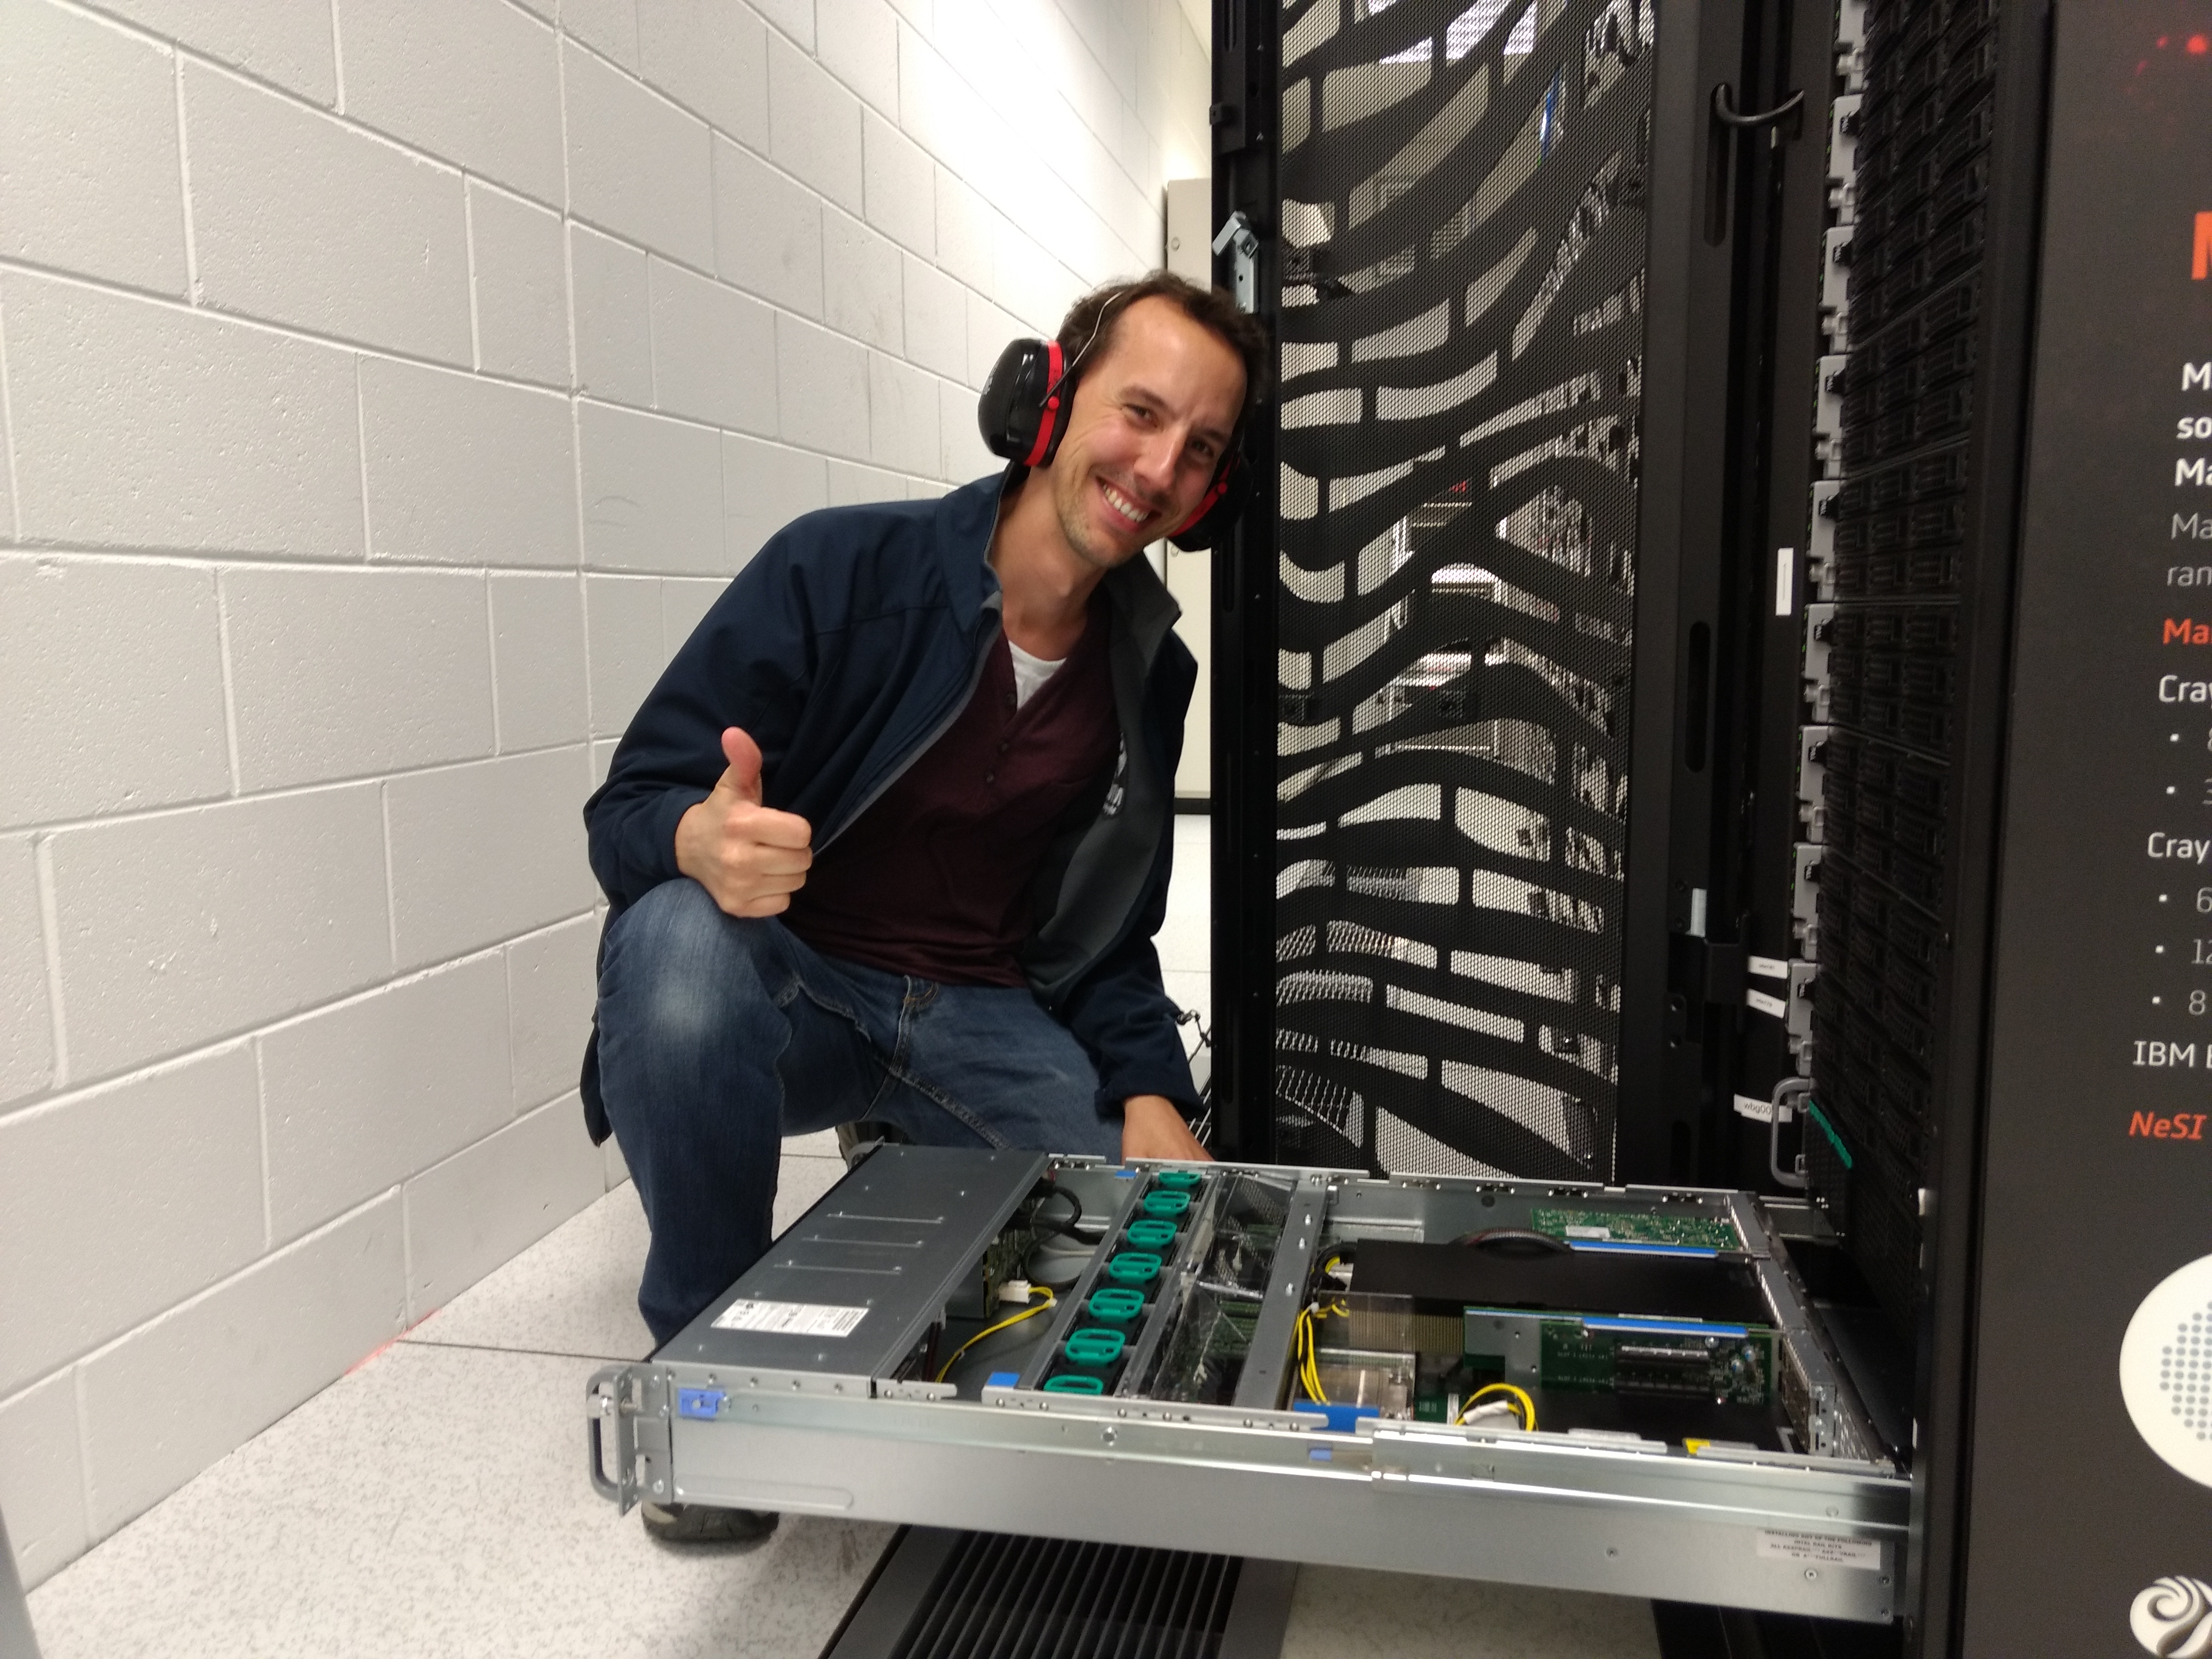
x,y
2173,1619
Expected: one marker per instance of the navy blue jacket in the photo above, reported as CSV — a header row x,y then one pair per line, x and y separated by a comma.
x,y
847,646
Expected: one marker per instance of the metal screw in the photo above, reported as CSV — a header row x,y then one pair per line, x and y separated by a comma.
x,y
1812,1572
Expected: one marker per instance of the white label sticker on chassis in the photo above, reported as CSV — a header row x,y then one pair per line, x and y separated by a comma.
x,y
790,1318
1818,1549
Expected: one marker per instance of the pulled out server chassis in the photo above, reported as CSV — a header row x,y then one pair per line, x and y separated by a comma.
x,y
807,1424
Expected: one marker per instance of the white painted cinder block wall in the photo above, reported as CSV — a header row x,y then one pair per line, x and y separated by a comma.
x,y
386,386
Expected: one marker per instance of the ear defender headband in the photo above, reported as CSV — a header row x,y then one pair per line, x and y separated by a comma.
x,y
1023,415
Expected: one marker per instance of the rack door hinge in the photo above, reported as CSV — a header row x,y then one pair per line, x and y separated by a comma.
x,y
1238,237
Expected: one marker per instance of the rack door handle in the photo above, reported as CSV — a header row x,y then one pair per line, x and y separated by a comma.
x,y
1725,111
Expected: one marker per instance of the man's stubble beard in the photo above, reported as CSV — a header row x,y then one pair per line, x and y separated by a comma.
x,y
1069,507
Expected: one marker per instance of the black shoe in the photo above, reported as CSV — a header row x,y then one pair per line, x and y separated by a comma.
x,y
700,1523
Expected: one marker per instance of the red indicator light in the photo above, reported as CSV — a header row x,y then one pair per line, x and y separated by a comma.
x,y
2198,45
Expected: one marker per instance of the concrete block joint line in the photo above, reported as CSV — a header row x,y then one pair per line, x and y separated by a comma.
x,y
384,394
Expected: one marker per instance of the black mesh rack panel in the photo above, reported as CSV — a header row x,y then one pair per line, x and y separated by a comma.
x,y
1462,327
1908,385
942,1594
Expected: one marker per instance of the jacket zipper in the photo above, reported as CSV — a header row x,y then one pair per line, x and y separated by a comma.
x,y
995,604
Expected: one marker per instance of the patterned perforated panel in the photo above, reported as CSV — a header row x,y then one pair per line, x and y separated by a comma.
x,y
1461,332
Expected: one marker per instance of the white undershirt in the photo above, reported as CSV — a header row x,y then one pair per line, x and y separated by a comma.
x,y
1030,672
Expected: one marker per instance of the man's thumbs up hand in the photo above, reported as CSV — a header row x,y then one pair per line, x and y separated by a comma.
x,y
749,858
742,777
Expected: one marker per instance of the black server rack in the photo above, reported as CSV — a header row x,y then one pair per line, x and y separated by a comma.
x,y
1712,690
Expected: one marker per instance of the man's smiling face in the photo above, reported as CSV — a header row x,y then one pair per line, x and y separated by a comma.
x,y
1152,417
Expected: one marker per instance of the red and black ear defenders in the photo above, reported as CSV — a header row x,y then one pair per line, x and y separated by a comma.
x,y
1023,415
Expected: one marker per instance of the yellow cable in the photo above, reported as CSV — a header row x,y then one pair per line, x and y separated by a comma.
x,y
1520,1397
1309,1365
1034,1308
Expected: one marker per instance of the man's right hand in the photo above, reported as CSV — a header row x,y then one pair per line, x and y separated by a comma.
x,y
749,858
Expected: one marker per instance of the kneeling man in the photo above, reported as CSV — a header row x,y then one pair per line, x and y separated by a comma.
x,y
891,837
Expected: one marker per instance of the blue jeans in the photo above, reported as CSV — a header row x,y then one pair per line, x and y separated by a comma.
x,y
719,1036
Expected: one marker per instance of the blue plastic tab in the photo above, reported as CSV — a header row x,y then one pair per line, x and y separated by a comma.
x,y
1002,1379
1340,1418
699,1402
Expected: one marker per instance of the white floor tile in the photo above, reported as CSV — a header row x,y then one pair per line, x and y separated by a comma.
x,y
1185,944
573,1292
435,1502
1342,1612
1193,851
1185,941
801,1182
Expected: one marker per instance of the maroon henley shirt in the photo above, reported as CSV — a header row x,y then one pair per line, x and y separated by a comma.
x,y
933,880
